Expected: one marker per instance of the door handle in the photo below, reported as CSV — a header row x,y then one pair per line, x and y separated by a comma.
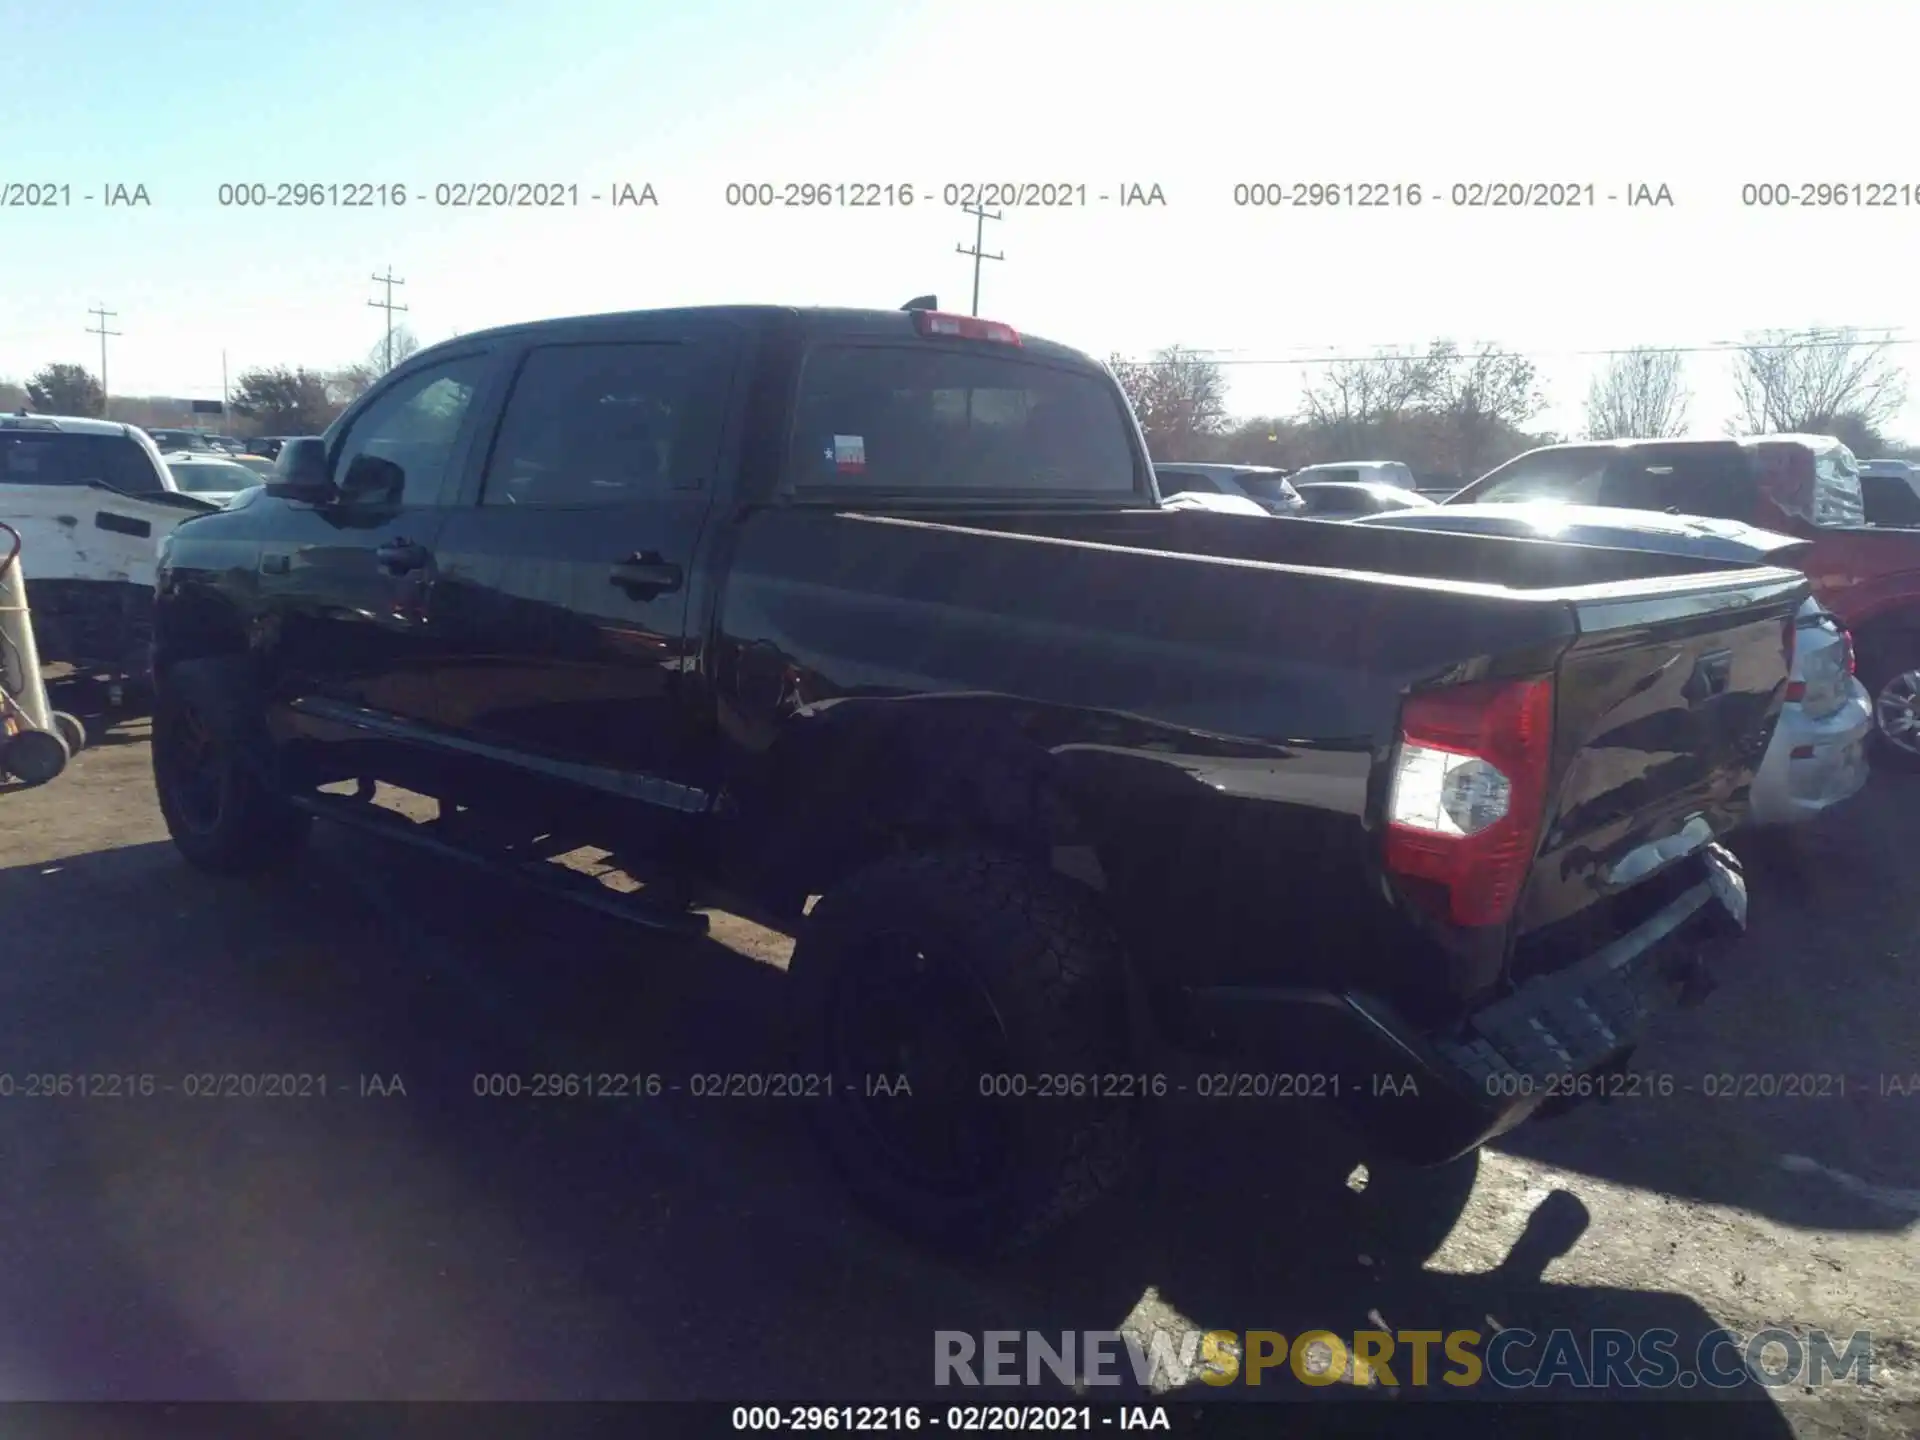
x,y
399,556
646,575
275,564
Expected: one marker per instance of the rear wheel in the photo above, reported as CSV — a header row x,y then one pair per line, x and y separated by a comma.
x,y
1893,680
963,1007
222,815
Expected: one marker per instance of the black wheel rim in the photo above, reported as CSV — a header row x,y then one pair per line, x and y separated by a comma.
x,y
904,1009
190,757
1897,710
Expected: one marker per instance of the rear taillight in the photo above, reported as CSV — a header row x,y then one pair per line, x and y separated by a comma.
x,y
964,327
1796,691
1853,664
1468,796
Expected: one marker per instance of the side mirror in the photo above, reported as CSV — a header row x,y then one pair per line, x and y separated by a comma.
x,y
372,480
300,472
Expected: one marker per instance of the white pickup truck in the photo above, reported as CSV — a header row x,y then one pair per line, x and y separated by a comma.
x,y
92,500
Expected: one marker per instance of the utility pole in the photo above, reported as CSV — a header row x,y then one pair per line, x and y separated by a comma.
x,y
103,332
980,218
223,392
388,306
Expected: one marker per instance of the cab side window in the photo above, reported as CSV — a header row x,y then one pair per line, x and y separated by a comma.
x,y
597,425
397,453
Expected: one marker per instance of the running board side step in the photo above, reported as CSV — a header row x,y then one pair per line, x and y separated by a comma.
x,y
553,880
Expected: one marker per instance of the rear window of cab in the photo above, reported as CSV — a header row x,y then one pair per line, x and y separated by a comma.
x,y
50,457
902,418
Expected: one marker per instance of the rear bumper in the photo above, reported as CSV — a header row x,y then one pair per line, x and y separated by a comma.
x,y
1428,1096
1812,765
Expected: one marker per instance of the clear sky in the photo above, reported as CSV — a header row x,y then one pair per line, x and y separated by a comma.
x,y
1192,96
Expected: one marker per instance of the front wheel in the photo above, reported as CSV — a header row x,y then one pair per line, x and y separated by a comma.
x,y
222,815
1893,680
966,1007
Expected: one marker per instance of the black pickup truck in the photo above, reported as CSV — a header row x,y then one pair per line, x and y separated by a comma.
x,y
870,623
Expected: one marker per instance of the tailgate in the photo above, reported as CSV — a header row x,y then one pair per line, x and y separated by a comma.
x,y
1663,708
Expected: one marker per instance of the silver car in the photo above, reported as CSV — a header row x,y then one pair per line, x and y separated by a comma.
x,y
210,477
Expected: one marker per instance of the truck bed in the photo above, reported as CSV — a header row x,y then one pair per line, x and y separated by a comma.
x,y
1268,662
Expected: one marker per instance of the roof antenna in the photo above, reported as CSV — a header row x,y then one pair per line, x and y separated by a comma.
x,y
922,302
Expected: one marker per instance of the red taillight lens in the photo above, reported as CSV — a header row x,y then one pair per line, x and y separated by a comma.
x,y
964,327
1796,691
1853,664
1468,795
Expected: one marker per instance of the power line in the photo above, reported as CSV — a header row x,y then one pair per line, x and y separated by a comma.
x,y
980,218
1417,354
387,305
106,403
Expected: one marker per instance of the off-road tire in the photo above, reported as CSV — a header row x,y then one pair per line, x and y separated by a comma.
x,y
1051,969
228,820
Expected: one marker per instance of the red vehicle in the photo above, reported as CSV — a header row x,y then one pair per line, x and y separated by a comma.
x,y
1802,485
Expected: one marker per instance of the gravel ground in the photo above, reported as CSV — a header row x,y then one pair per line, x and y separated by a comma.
x,y
433,1244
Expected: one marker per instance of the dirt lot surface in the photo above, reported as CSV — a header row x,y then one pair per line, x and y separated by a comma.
x,y
439,1244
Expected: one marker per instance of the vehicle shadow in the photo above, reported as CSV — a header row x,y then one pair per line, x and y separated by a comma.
x,y
409,1234
89,701
1795,1089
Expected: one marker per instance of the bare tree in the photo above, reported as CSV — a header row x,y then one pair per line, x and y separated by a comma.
x,y
1639,395
350,382
378,361
1482,398
1805,381
1350,395
1179,396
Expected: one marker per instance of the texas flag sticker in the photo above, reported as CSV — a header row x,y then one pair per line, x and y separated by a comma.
x,y
850,454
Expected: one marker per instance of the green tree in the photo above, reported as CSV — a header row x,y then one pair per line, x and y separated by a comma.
x,y
66,390
285,402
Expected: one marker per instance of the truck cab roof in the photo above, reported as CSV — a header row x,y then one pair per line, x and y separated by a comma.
x,y
66,424
812,321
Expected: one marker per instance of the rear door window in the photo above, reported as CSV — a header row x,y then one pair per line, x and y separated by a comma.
x,y
45,457
609,424
905,419
1711,480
